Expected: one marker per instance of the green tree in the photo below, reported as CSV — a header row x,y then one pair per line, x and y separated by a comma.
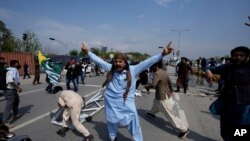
x,y
81,53
7,41
31,44
73,52
96,51
50,55
105,54
137,56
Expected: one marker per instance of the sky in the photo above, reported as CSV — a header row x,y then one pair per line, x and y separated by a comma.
x,y
198,28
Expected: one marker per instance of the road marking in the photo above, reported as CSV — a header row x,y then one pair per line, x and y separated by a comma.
x,y
29,122
46,114
63,83
24,93
28,92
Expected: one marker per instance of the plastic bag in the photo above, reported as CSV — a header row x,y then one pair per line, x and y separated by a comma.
x,y
177,112
215,107
176,97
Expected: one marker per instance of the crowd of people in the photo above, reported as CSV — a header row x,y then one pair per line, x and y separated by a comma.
x,y
122,82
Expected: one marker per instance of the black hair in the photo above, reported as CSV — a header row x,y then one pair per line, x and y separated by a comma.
x,y
112,71
242,49
158,64
57,89
13,62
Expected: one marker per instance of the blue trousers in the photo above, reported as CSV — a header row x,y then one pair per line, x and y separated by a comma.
x,y
74,81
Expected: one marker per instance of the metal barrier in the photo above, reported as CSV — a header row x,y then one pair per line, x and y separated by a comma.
x,y
92,107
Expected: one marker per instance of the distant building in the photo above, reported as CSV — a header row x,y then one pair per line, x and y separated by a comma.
x,y
104,49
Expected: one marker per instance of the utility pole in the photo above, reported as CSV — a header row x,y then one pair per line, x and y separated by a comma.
x,y
178,52
62,43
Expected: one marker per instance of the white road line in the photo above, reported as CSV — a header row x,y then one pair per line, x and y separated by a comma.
x,y
28,92
29,122
62,83
24,93
46,114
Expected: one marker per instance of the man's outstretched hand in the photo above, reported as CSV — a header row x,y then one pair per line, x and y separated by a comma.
x,y
168,49
84,47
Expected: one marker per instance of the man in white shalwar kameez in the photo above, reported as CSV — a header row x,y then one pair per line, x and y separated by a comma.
x,y
119,95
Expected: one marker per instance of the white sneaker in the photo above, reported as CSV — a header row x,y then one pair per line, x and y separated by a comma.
x,y
138,93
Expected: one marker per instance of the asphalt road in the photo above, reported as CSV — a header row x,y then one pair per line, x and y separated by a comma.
x,y
36,104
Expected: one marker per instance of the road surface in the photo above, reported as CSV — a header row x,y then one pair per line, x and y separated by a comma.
x,y
36,104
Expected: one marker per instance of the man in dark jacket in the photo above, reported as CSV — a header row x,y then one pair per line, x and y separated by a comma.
x,y
37,73
235,95
183,71
2,63
72,73
26,70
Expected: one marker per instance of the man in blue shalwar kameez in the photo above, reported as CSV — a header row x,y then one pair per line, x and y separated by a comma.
x,y
119,95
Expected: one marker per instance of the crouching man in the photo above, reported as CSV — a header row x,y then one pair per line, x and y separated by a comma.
x,y
72,104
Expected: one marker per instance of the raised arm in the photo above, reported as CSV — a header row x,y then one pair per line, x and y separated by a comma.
x,y
154,59
101,63
217,70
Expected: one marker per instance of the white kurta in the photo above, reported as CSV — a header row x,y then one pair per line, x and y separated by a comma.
x,y
117,112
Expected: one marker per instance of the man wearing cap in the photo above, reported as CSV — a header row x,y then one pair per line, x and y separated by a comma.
x,y
235,96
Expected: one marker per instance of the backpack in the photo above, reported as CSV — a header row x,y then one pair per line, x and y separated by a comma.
x,y
3,84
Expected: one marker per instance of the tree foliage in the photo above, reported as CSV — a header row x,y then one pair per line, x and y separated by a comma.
x,y
10,43
131,55
7,41
73,52
96,51
31,44
136,56
50,55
